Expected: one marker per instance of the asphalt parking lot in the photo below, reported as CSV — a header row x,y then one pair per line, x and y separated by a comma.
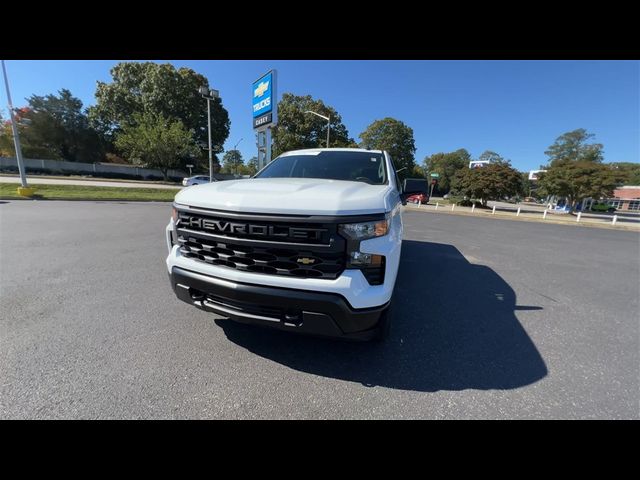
x,y
493,319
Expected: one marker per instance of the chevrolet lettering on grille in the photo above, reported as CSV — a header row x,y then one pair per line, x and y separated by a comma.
x,y
255,230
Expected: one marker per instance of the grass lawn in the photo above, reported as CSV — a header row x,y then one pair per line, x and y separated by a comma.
x,y
81,192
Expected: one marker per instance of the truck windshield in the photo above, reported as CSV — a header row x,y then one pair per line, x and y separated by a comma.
x,y
365,167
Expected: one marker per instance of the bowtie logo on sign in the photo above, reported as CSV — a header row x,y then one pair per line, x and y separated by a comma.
x,y
262,87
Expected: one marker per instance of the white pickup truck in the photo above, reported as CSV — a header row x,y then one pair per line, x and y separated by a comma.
x,y
310,244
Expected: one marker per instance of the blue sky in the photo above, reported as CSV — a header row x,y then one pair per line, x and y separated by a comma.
x,y
516,108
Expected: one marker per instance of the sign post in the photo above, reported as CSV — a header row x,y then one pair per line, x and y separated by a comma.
x,y
434,177
265,114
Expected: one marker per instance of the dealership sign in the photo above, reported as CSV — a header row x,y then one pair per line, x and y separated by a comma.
x,y
478,163
535,174
265,107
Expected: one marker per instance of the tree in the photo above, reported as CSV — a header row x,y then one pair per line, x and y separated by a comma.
x,y
396,138
576,171
160,89
629,171
493,157
297,129
232,162
573,146
252,166
57,124
31,148
446,165
5,138
156,141
527,187
418,172
577,180
491,182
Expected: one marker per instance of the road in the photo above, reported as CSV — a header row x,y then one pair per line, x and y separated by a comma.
x,y
89,183
493,319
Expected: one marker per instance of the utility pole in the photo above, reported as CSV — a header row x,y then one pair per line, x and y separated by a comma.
x,y
209,95
235,147
16,136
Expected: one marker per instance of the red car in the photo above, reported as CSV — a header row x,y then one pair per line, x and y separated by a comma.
x,y
420,198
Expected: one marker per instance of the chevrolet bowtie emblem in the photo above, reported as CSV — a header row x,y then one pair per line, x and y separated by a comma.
x,y
262,87
306,261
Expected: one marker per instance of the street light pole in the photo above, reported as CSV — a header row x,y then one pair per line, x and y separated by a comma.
x,y
209,95
328,119
210,149
235,147
14,128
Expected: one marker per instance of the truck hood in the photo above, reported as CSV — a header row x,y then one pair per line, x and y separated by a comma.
x,y
307,196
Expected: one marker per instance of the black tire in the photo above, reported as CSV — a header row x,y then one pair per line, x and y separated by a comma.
x,y
383,330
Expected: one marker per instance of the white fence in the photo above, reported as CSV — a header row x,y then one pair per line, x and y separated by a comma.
x,y
619,218
87,168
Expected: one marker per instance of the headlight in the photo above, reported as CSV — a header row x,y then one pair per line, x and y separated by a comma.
x,y
365,230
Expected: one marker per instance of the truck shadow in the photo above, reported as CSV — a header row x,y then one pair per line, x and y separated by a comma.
x,y
454,328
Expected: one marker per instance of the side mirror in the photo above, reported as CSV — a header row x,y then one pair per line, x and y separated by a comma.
x,y
413,186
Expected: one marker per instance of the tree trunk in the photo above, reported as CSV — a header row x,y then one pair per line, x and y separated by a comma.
x,y
165,174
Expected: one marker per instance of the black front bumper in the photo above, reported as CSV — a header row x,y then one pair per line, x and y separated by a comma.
x,y
314,313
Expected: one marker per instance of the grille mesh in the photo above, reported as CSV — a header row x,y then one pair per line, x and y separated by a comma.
x,y
267,259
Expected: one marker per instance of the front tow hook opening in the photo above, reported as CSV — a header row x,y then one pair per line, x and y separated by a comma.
x,y
196,295
292,319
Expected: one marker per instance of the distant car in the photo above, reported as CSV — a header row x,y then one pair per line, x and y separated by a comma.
x,y
602,207
420,198
530,200
197,180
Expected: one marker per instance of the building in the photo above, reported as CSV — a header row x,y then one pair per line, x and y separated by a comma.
x,y
626,198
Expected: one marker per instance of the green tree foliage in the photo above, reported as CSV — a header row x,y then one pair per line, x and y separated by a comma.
x,y
156,141
159,89
493,157
572,146
576,170
297,129
491,182
527,187
58,124
54,127
396,138
418,172
252,166
31,148
6,138
446,164
630,172
232,162
577,180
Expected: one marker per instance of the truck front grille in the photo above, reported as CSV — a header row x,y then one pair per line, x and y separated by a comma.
x,y
282,247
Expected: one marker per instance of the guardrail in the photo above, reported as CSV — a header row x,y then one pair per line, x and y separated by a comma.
x,y
541,214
